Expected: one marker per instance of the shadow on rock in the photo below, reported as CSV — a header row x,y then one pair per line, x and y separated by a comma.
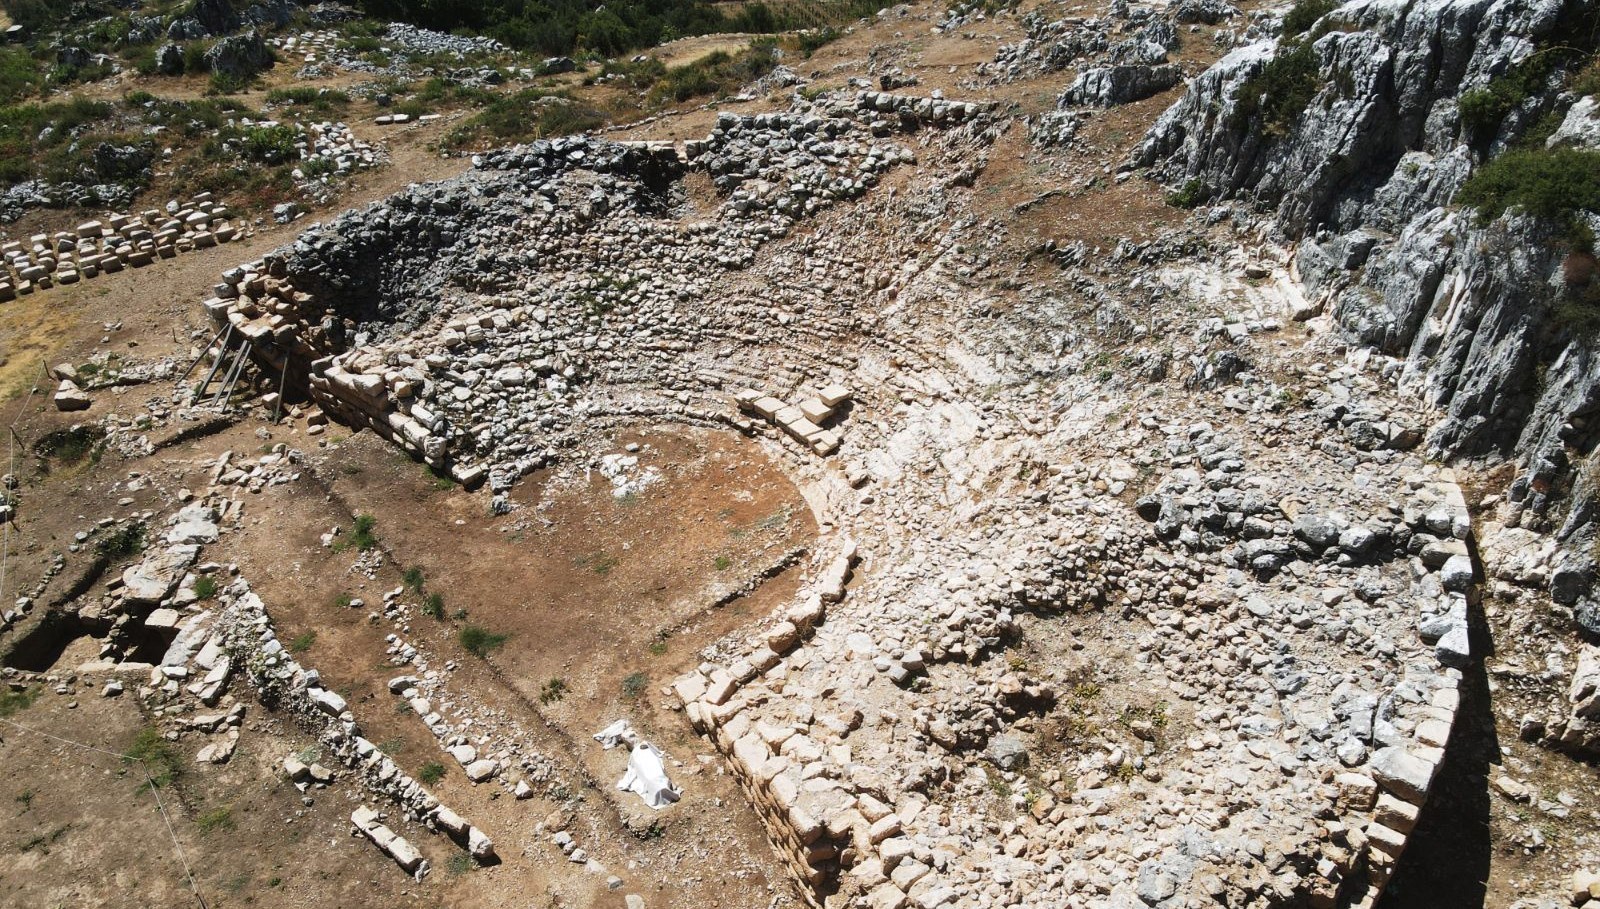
x,y
1446,862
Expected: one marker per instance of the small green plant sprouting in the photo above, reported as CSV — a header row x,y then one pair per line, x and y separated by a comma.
x,y
600,563
480,641
205,587
553,691
157,756
431,772
215,819
634,685
433,605
413,578
723,563
13,699
361,535
42,842
303,642
459,863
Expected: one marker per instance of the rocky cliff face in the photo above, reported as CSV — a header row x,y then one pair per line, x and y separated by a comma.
x,y
1363,177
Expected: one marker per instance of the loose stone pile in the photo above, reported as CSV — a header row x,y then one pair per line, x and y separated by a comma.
x,y
120,241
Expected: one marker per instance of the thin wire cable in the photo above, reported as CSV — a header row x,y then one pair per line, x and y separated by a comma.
x,y
155,790
5,528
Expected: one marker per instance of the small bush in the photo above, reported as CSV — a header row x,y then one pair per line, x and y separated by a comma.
x,y
303,643
1483,109
205,587
1281,90
194,56
553,691
361,532
1587,80
528,115
812,40
1553,184
634,685
1305,14
480,641
433,606
431,773
413,578
723,563
125,541
321,99
1190,195
270,145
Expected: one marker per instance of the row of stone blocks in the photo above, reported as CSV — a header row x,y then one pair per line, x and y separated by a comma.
x,y
1402,775
804,421
252,643
811,823
96,247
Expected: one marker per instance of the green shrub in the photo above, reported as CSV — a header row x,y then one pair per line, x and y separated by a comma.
x,y
638,75
634,685
1282,89
318,167
361,532
227,84
553,691
194,57
717,73
528,115
413,578
321,99
1553,184
19,75
480,641
1190,195
431,773
303,642
812,40
1587,80
1305,14
205,587
270,145
1483,109
433,606
125,541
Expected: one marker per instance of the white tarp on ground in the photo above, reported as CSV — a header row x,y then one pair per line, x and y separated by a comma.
x,y
647,777
618,733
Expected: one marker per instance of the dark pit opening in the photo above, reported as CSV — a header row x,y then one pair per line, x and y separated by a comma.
x,y
40,648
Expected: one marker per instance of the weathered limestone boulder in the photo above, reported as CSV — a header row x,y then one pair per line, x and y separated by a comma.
x,y
153,579
70,397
